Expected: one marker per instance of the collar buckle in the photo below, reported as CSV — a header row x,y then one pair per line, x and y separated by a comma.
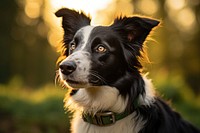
x,y
99,118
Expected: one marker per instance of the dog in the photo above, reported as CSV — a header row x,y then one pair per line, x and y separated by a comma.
x,y
100,65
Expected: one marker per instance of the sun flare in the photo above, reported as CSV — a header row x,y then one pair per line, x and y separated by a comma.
x,y
89,7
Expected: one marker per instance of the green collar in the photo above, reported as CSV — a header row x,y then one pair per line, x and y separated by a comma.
x,y
106,118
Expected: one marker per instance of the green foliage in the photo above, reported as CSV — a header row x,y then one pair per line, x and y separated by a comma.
x,y
180,97
40,111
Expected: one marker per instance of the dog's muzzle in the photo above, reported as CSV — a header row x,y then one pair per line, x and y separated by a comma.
x,y
68,68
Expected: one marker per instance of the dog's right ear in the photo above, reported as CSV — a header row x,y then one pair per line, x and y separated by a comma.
x,y
72,21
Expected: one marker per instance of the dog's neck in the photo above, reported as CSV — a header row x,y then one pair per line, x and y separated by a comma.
x,y
106,98
95,99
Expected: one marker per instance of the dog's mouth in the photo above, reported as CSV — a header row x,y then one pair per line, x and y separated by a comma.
x,y
76,84
73,92
73,81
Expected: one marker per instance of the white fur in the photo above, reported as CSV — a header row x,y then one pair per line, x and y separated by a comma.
x,y
148,98
86,31
81,73
94,99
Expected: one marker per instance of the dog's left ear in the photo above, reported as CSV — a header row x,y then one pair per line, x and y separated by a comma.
x,y
134,29
72,21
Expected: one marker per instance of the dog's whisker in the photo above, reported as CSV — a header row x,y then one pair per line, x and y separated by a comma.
x,y
58,81
57,78
99,77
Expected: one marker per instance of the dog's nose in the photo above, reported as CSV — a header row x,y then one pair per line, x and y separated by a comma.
x,y
68,67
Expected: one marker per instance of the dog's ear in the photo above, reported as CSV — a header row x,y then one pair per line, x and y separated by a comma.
x,y
134,29
72,21
133,32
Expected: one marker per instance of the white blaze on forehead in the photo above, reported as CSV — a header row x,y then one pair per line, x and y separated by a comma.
x,y
86,31
81,57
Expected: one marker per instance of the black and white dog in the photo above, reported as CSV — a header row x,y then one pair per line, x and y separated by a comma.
x,y
101,68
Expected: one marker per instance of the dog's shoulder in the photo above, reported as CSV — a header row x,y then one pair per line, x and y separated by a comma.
x,y
161,118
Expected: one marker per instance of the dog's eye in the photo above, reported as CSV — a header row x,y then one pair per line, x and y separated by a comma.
x,y
72,46
101,49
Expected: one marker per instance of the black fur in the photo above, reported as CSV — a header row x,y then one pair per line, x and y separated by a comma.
x,y
162,119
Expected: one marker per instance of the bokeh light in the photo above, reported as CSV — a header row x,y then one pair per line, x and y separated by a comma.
x,y
175,4
148,7
182,15
186,19
32,8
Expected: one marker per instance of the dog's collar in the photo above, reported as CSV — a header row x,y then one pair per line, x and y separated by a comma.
x,y
106,118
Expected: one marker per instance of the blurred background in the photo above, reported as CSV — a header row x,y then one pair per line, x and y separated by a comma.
x,y
29,33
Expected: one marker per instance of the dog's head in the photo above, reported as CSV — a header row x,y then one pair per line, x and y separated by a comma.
x,y
101,55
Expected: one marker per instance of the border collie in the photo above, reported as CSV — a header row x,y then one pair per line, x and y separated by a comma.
x,y
107,91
